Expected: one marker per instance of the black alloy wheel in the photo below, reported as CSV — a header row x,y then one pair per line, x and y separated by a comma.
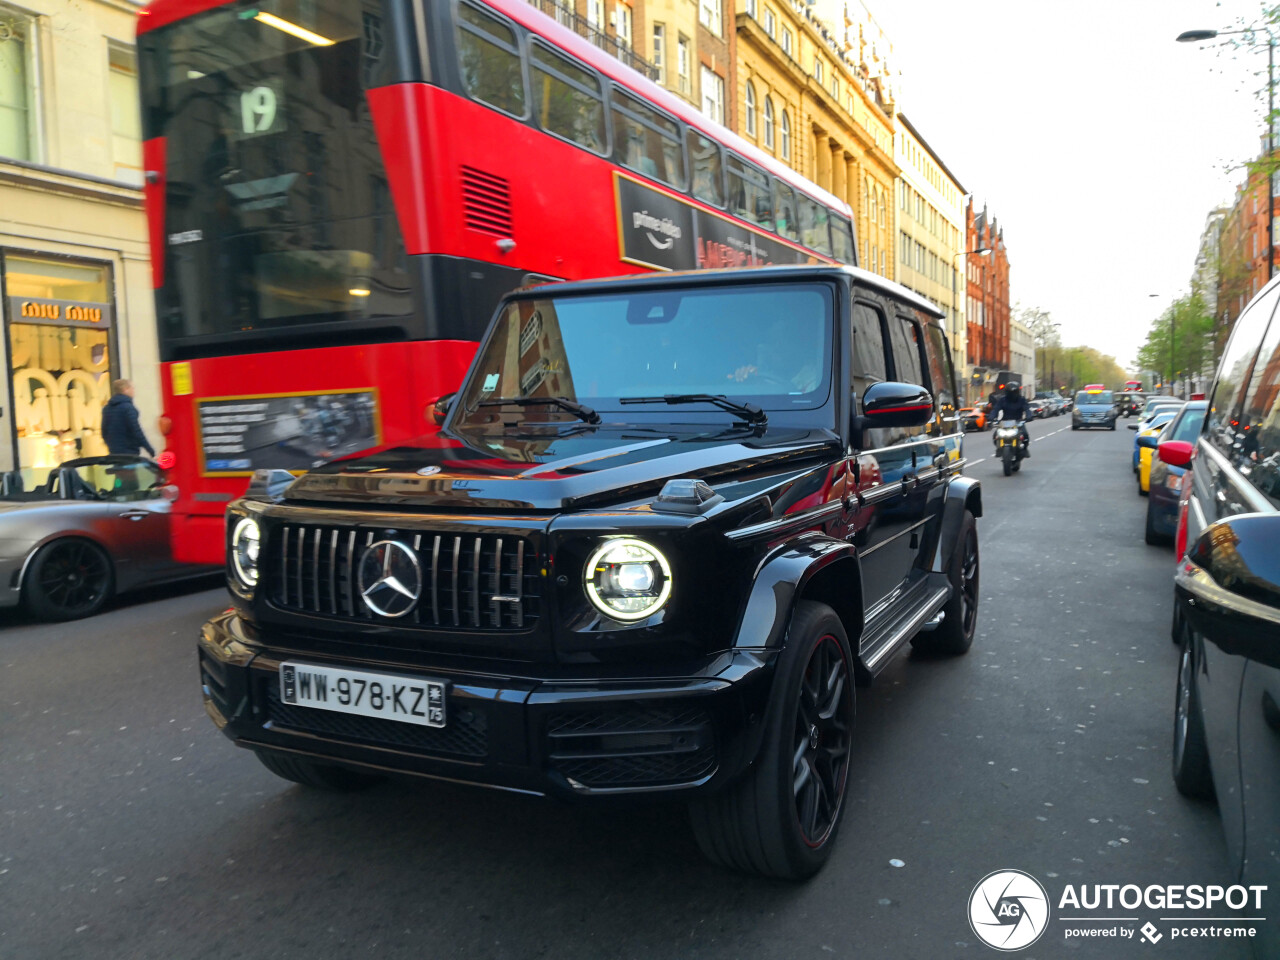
x,y
1191,772
67,580
954,635
781,818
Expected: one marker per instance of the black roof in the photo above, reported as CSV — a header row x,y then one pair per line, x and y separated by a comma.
x,y
685,278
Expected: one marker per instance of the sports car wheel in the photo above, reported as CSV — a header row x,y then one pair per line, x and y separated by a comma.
x,y
68,579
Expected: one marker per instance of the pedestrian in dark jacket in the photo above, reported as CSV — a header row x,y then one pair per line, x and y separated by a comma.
x,y
120,429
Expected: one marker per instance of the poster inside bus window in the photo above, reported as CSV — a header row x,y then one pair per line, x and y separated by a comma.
x,y
295,431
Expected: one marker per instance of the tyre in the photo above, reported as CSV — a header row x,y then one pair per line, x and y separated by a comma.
x,y
1191,771
310,773
954,635
1075,426
1007,457
781,819
1141,492
1152,535
1112,426
68,579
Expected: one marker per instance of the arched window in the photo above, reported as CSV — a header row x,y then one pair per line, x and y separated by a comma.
x,y
768,122
875,212
751,109
786,135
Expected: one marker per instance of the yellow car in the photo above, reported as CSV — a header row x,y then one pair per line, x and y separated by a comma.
x,y
1147,440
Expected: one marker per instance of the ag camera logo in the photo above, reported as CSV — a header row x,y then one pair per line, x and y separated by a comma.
x,y
1008,910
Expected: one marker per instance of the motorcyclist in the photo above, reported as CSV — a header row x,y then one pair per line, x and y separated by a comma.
x,y
1012,405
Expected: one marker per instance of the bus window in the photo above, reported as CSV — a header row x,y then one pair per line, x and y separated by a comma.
x,y
490,60
568,99
708,175
841,239
749,193
813,226
785,207
647,141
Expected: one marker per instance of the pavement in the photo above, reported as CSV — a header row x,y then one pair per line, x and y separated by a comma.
x,y
130,828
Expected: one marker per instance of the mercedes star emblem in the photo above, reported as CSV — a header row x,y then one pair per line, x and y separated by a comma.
x,y
390,578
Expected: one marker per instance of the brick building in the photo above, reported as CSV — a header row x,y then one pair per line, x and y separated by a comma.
x,y
988,300
1242,254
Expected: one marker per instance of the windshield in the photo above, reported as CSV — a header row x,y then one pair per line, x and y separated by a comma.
x,y
1094,396
1160,419
1188,426
765,344
277,209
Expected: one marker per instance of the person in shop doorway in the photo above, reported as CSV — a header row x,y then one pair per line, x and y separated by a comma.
x,y
120,428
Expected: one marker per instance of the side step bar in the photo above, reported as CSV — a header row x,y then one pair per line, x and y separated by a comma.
x,y
925,612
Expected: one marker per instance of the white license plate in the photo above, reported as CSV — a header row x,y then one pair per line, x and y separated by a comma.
x,y
364,693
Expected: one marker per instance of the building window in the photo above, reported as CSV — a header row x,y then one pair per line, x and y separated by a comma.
x,y
623,25
126,120
709,15
713,94
786,41
835,88
874,197
682,65
751,7
768,122
595,13
660,51
817,69
17,88
751,109
786,135
769,21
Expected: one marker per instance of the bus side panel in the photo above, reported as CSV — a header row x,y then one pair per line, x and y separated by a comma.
x,y
407,378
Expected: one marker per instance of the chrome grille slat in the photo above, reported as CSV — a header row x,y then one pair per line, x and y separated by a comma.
x,y
457,552
435,582
351,574
333,573
315,567
520,583
475,584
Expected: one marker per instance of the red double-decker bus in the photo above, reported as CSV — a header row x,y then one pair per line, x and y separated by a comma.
x,y
339,191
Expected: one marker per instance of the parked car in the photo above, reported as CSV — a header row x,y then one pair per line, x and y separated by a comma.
x,y
1094,407
1037,409
1165,482
73,536
973,418
659,576
1144,443
1150,402
1227,604
1150,410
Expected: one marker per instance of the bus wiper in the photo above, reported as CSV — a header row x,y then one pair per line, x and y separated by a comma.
x,y
748,411
579,410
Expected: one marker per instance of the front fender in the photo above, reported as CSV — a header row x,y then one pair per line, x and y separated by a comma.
x,y
964,495
780,580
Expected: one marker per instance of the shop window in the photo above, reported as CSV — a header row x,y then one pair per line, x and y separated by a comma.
x,y
60,321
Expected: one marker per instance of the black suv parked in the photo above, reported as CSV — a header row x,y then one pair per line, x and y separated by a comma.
x,y
667,524
1227,606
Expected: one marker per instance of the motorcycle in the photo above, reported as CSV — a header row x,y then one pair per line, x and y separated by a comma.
x,y
1010,448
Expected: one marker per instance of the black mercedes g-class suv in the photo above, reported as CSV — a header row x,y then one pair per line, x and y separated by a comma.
x,y
668,522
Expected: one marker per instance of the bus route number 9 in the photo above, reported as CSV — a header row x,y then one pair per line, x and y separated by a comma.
x,y
259,109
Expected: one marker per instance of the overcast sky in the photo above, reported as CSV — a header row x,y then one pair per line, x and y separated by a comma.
x,y
1097,142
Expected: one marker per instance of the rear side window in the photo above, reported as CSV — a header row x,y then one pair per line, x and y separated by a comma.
x,y
1257,448
784,209
841,239
813,226
569,98
749,197
705,162
1188,426
1222,423
868,348
647,141
904,340
489,59
940,369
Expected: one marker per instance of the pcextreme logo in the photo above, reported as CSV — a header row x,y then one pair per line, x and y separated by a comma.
x,y
1009,911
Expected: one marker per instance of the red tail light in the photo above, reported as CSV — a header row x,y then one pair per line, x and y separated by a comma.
x,y
1184,506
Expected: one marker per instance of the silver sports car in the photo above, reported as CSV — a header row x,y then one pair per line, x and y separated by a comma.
x,y
95,527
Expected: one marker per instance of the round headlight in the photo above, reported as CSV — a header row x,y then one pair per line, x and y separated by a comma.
x,y
245,542
628,579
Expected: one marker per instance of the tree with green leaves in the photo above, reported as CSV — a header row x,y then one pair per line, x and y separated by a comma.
x,y
1180,343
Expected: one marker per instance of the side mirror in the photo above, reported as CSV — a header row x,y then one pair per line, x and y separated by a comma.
x,y
1176,453
1133,426
1228,586
1151,442
440,409
894,404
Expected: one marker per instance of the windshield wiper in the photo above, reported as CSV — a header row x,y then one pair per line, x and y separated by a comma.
x,y
748,411
579,410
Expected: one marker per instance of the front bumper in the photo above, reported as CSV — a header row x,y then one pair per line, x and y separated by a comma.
x,y
574,738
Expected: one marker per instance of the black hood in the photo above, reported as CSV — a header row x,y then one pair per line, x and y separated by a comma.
x,y
580,467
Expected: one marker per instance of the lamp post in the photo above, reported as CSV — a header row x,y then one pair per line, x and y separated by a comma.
x,y
955,277
1196,36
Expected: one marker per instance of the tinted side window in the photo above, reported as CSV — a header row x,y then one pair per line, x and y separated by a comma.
x,y
647,141
813,226
842,239
785,210
1234,372
904,340
1257,448
489,59
705,160
749,196
569,98
940,371
868,348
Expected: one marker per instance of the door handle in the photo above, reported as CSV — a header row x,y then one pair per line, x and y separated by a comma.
x,y
136,514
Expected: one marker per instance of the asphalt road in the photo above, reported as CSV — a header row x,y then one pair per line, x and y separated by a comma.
x,y
129,828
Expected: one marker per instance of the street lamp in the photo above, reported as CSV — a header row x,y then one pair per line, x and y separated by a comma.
x,y
954,276
1196,36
